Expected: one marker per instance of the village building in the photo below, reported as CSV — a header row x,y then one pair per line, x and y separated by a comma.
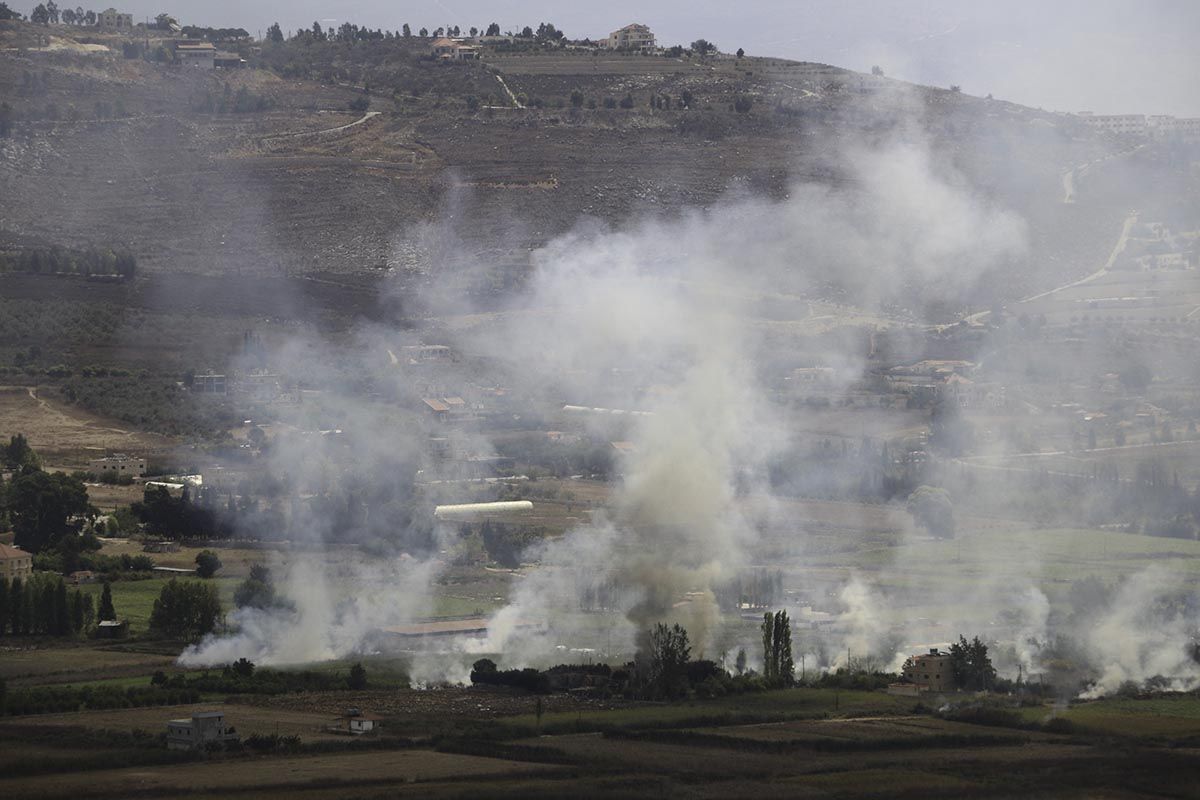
x,y
634,36
226,60
15,563
356,723
115,20
448,49
201,55
197,732
210,383
112,629
929,672
117,465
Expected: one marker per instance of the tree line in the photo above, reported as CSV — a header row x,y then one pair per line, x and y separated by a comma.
x,y
56,260
42,606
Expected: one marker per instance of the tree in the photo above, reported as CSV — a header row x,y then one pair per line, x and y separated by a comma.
x,y
741,53
19,454
406,31
90,17
1135,376
669,652
68,16
971,665
576,98
52,11
423,33
107,612
932,509
627,101
743,103
8,13
243,668
16,602
548,33
62,609
42,505
257,591
357,680
955,88
740,663
6,119
207,563
778,667
186,610
275,33
493,29
703,47
360,104
877,71
39,15
5,603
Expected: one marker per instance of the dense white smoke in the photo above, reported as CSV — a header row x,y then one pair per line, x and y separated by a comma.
x,y
1141,638
336,609
663,317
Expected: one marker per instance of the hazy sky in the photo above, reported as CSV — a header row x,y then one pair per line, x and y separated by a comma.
x,y
1107,56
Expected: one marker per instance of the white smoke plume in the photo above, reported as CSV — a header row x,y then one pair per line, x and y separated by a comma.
x,y
1139,638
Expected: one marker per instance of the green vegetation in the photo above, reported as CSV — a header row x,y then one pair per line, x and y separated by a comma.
x,y
42,605
186,610
135,599
92,262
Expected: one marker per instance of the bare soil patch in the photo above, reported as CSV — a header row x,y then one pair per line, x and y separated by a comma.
x,y
66,437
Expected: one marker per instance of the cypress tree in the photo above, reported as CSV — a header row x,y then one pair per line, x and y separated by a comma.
x,y
62,610
4,605
107,612
76,612
16,594
27,608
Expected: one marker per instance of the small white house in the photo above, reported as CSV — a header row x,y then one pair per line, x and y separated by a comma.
x,y
357,723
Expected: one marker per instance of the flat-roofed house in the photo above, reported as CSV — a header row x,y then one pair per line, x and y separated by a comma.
x,y
201,55
197,732
932,671
118,465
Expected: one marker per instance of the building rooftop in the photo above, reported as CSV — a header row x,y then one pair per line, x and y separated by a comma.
x,y
8,551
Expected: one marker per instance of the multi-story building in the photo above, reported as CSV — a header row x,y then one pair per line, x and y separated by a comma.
x,y
114,19
118,465
202,55
632,37
1122,124
15,563
930,671
195,733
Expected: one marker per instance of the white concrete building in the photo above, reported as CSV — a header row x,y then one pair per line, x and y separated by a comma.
x,y
634,36
118,465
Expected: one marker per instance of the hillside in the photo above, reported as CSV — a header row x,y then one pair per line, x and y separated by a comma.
x,y
291,188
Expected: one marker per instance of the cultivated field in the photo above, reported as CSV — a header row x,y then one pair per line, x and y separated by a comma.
x,y
278,777
246,719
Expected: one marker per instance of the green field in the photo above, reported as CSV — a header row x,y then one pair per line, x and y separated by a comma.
x,y
1170,716
134,600
737,709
